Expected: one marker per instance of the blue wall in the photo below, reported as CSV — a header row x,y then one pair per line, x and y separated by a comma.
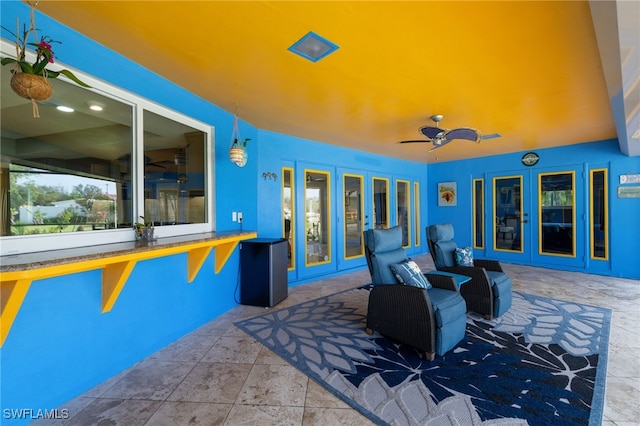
x,y
623,212
62,345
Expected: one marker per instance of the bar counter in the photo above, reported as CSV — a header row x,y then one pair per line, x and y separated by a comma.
x,y
117,260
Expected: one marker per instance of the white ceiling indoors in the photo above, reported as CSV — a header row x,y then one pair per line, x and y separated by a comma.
x,y
531,71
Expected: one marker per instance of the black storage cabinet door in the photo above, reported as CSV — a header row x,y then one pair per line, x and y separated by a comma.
x,y
263,271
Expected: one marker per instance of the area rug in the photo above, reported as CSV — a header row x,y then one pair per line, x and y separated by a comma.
x,y
541,363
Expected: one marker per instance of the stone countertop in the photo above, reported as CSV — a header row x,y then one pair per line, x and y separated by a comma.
x,y
28,261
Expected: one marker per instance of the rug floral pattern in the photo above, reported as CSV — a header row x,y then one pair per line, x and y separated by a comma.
x,y
543,362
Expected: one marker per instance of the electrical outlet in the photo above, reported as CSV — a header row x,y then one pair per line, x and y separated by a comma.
x,y
234,216
239,216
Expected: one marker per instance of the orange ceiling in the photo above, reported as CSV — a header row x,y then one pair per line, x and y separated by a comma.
x,y
530,71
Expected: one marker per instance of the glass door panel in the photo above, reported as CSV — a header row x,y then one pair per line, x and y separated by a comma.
x,y
507,234
352,214
288,213
478,213
599,221
507,208
380,203
403,202
416,214
317,217
556,232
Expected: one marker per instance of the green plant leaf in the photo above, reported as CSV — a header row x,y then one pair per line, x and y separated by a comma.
x,y
6,61
70,76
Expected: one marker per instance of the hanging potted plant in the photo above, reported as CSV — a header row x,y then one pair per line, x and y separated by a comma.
x,y
238,151
29,79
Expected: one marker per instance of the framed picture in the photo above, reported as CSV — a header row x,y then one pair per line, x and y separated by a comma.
x,y
447,194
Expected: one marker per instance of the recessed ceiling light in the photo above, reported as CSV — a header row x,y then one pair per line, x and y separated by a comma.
x,y
313,47
95,107
64,108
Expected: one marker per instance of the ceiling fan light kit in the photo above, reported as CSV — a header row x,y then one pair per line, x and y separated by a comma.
x,y
439,136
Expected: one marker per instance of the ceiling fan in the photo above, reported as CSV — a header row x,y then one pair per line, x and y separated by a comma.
x,y
439,137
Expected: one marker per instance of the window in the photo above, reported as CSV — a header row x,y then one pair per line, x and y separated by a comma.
x,y
380,203
288,213
72,179
403,203
598,217
478,213
557,226
416,212
353,207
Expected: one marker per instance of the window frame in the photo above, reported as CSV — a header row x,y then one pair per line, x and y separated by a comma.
x,y
23,244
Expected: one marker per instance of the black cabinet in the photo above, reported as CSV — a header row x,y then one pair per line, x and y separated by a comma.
x,y
263,271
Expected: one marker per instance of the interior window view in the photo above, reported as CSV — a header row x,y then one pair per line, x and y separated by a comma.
x,y
403,202
557,201
508,205
316,202
174,172
353,216
73,169
288,214
57,180
599,214
380,203
302,213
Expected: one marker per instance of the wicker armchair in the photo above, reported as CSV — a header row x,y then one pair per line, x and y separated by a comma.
x,y
489,291
431,320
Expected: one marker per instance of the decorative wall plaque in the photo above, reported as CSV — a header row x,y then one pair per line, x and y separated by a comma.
x,y
529,159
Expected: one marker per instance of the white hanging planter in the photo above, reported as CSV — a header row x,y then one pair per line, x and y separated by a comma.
x,y
238,153
238,156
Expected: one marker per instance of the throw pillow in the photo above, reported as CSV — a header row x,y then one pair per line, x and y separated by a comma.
x,y
464,256
409,273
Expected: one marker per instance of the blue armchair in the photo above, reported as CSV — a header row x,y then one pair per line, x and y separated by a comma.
x,y
433,320
489,291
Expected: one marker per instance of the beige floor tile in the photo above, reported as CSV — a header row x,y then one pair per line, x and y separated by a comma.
x,y
269,384
241,349
212,382
334,416
151,379
173,413
264,415
115,412
319,397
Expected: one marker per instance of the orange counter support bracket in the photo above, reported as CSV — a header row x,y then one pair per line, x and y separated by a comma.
x,y
114,276
12,294
116,269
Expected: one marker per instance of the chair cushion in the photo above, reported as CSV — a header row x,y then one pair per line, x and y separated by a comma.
x,y
464,256
380,263
444,254
409,273
441,232
448,305
502,294
500,282
380,240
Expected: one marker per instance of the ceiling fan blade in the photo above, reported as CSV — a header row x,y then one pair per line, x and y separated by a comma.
x,y
491,136
432,132
466,133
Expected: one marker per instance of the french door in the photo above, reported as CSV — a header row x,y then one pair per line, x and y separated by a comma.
x,y
316,254
535,217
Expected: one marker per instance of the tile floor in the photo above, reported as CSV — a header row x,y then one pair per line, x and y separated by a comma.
x,y
217,375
